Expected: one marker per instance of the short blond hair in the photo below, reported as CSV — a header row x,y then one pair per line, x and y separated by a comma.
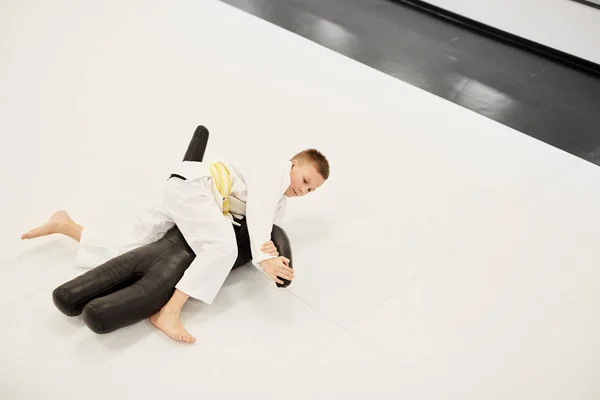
x,y
316,158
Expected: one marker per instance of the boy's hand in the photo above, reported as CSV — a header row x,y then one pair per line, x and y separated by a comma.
x,y
278,267
269,248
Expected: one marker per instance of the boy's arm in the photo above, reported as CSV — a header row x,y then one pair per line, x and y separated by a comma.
x,y
280,213
264,194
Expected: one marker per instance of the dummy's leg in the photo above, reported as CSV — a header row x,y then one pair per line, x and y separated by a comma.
x,y
211,237
145,296
110,277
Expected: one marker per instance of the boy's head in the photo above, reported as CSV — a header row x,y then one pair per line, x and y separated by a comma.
x,y
310,169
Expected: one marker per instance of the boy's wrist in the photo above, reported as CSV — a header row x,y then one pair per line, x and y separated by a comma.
x,y
260,264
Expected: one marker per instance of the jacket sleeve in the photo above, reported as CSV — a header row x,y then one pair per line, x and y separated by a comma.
x,y
280,213
263,204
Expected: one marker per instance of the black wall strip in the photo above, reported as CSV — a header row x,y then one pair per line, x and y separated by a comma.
x,y
537,48
589,3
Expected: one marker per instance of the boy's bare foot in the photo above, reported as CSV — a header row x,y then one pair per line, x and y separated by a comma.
x,y
168,322
59,222
55,224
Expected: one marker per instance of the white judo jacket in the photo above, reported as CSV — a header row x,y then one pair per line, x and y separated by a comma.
x,y
257,194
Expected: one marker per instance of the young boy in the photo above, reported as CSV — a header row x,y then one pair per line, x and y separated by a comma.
x,y
204,200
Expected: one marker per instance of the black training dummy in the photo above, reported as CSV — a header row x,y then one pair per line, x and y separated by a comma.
x,y
137,284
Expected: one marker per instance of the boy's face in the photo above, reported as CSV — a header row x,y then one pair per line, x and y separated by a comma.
x,y
304,179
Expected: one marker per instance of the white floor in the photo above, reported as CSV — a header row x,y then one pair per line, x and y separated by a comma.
x,y
448,257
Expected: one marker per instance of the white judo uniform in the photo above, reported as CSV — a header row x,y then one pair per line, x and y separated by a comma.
x,y
196,206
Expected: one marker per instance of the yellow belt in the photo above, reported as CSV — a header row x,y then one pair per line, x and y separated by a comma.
x,y
222,179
